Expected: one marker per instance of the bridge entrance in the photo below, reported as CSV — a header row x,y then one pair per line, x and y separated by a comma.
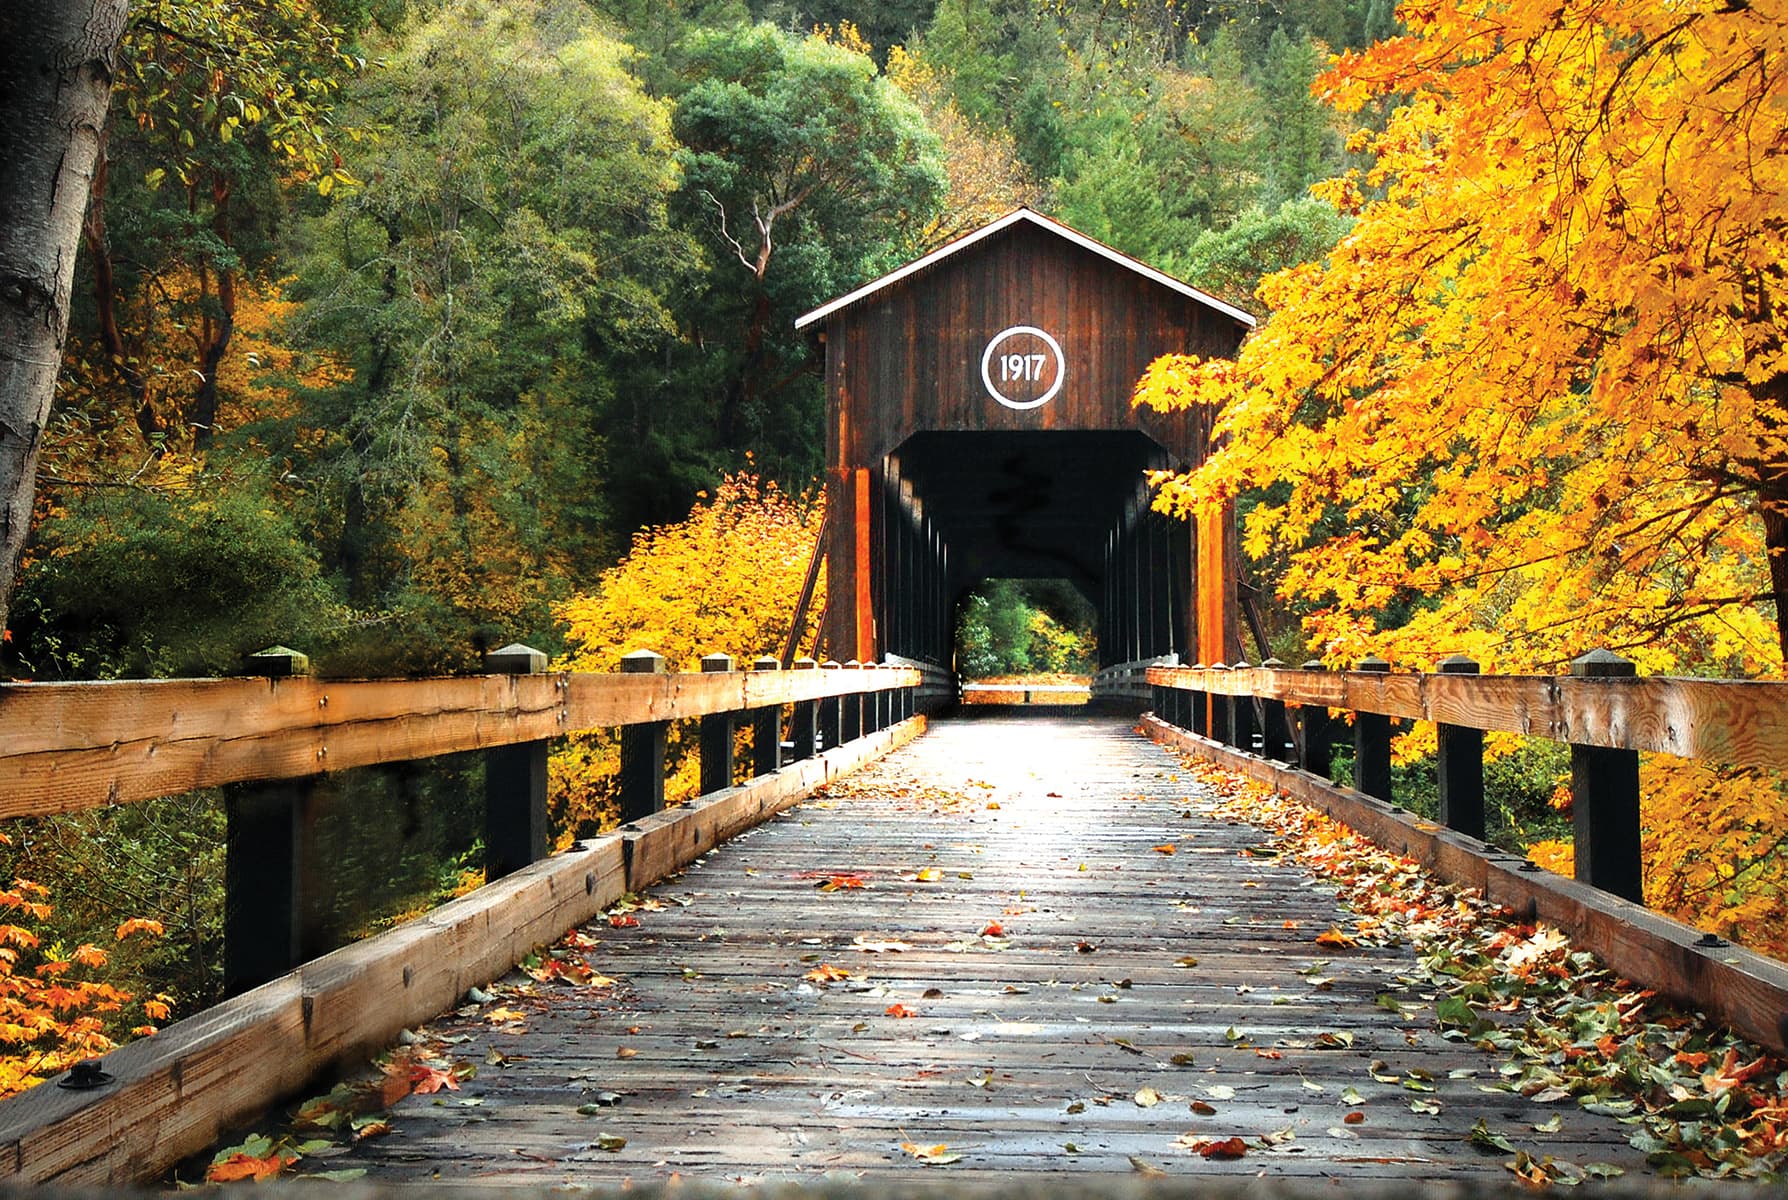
x,y
979,426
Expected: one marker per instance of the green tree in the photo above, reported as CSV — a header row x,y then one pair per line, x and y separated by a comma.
x,y
507,259
804,169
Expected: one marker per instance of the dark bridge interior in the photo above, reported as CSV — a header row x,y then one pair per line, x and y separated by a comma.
x,y
1031,504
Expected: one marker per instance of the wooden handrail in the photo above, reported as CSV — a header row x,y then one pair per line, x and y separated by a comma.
x,y
71,746
1741,722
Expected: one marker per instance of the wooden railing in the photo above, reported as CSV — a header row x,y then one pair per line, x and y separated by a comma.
x,y
1279,725
1128,680
65,747
70,746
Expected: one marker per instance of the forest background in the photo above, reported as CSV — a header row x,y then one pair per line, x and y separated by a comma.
x,y
408,328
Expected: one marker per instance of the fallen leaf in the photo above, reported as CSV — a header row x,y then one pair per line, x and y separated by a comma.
x,y
1165,848
1146,1097
1354,1118
826,973
1334,937
425,1080
927,875
498,1016
1143,1166
1203,1109
1187,961
243,1166
993,929
625,1052
1218,1148
622,921
611,1142
932,1156
899,1010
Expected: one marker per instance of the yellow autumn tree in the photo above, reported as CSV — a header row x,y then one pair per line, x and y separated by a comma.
x,y
1535,401
722,581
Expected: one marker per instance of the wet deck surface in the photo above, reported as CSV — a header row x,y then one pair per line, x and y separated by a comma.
x,y
1030,1052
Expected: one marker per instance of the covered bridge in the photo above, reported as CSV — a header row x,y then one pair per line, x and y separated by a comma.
x,y
979,425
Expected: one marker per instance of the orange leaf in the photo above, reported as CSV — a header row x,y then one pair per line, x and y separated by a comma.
x,y
900,1010
622,921
139,925
243,1166
826,973
993,929
1233,1147
425,1079
1334,937
1354,1118
1165,848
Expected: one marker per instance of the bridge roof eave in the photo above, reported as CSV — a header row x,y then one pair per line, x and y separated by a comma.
x,y
1017,215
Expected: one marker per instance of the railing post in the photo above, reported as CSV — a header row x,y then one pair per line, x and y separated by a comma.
x,y
1372,742
1605,799
1275,731
1219,715
717,745
1241,716
766,728
1459,763
642,748
852,706
515,823
831,715
1201,709
265,848
1316,752
806,719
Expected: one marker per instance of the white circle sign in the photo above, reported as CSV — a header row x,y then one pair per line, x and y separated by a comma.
x,y
1021,367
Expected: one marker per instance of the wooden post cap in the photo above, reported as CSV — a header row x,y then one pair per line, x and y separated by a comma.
x,y
1372,663
717,662
853,665
276,660
831,664
1217,666
1273,664
1313,664
643,662
1242,665
515,659
766,663
1200,667
1603,664
805,664
1457,664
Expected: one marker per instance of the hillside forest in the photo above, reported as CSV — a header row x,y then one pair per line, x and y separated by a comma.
x,y
404,329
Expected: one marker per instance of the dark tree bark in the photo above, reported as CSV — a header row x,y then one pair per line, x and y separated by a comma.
x,y
55,84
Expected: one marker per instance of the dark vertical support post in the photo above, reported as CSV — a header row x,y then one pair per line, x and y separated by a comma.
x,y
831,717
806,719
515,825
265,846
642,748
852,704
766,729
1219,716
1372,742
878,704
1316,752
1275,730
1201,708
264,852
1241,716
1459,763
1605,798
718,745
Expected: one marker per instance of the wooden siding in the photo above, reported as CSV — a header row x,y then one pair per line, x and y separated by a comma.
x,y
909,359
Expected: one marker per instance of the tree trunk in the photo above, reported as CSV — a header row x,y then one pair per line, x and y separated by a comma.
x,y
55,83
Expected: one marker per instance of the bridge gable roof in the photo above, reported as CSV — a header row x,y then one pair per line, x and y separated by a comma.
x,y
1021,216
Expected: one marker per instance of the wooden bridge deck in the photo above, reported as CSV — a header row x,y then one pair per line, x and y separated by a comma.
x,y
1027,1052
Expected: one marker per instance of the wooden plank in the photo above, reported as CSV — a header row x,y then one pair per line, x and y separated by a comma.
x,y
737,1066
1737,721
180,1090
80,745
1745,990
